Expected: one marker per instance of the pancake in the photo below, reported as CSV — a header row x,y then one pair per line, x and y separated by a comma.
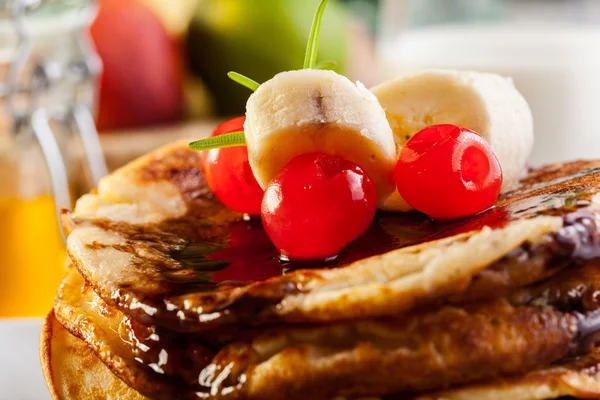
x,y
73,372
179,297
154,243
448,346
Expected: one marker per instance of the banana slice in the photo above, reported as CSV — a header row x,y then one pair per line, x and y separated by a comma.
x,y
487,103
308,110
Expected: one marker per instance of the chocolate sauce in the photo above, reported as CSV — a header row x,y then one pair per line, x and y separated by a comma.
x,y
588,327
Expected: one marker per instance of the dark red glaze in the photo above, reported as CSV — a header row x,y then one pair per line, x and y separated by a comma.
x,y
247,238
316,205
446,171
228,173
250,256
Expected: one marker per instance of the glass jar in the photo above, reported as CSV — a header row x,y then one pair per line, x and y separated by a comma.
x,y
549,48
47,78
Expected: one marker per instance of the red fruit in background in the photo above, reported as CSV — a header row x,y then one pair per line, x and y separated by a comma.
x,y
446,171
316,205
228,173
141,83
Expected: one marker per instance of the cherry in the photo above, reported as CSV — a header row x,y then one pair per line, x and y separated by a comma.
x,y
446,171
316,205
228,173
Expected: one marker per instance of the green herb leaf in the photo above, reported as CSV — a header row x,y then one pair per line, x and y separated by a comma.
x,y
312,47
216,142
243,80
326,65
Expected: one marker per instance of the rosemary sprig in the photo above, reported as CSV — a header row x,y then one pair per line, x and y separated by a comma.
x,y
226,140
312,47
243,80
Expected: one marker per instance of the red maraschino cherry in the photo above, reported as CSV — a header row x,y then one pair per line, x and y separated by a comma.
x,y
446,171
228,173
316,205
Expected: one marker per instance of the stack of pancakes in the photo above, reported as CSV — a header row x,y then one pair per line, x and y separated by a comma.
x,y
173,296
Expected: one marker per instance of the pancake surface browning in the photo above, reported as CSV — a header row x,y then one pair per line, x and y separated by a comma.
x,y
149,239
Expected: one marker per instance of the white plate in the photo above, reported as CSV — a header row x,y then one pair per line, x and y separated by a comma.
x,y
20,372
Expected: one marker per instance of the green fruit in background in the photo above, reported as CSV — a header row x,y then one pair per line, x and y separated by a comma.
x,y
257,38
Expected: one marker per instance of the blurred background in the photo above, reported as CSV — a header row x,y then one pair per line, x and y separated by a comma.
x,y
146,72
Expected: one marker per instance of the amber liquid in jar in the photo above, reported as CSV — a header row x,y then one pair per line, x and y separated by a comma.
x,y
32,253
32,256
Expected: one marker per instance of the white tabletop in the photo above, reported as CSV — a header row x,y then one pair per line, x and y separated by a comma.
x,y
20,371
